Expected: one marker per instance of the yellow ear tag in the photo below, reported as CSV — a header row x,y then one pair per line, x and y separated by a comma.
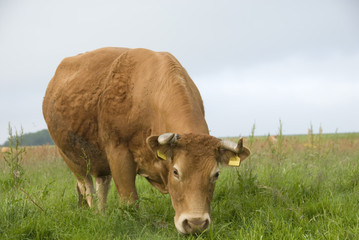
x,y
234,161
161,155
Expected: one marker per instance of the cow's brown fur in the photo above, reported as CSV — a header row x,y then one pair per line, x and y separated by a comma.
x,y
273,140
5,149
101,106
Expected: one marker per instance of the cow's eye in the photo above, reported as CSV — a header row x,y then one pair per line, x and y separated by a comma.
x,y
175,173
216,175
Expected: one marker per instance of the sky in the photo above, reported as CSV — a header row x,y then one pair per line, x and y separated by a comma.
x,y
255,62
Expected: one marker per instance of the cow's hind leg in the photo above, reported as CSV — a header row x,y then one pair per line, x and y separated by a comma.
x,y
84,184
102,187
85,189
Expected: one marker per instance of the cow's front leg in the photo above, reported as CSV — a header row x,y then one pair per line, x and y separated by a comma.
x,y
123,170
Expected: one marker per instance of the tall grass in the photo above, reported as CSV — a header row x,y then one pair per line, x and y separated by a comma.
x,y
302,187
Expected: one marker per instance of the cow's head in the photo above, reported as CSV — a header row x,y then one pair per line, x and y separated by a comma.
x,y
192,162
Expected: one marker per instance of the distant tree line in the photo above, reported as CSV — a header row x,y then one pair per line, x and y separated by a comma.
x,y
33,139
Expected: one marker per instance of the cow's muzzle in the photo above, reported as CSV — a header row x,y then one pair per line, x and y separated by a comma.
x,y
189,224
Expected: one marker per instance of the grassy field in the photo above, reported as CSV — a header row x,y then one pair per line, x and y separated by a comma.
x,y
302,187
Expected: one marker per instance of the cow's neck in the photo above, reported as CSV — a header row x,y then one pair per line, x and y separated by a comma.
x,y
182,122
180,110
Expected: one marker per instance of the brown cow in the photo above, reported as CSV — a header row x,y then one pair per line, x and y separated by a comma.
x,y
272,139
122,112
5,149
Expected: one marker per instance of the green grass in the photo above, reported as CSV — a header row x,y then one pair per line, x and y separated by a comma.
x,y
305,188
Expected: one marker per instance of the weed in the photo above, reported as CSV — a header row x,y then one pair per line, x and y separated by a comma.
x,y
14,159
251,138
277,147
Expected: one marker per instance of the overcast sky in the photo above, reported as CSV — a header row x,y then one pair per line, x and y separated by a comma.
x,y
253,61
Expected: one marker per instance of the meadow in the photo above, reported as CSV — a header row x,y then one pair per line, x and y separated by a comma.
x,y
299,187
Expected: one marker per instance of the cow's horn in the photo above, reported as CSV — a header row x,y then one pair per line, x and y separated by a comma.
x,y
168,138
231,146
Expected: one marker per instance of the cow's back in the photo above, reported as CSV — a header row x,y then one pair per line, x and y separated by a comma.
x,y
70,105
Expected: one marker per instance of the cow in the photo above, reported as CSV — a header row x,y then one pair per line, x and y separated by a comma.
x,y
272,139
119,112
5,149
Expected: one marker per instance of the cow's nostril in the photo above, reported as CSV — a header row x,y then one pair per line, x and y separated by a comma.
x,y
186,226
195,225
206,224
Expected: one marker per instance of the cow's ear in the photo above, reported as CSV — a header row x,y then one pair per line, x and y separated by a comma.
x,y
162,145
231,154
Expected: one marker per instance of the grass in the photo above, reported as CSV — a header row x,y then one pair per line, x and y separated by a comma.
x,y
303,187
